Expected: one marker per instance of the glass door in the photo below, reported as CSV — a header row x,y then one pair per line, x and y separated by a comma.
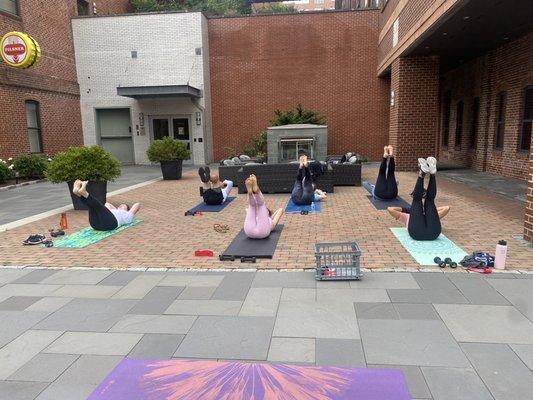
x,y
174,127
160,128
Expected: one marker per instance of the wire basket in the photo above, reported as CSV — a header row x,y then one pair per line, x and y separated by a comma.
x,y
337,261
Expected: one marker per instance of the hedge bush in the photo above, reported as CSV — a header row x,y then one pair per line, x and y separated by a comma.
x,y
5,173
31,166
167,149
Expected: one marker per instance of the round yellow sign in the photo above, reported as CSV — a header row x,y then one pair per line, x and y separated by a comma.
x,y
19,50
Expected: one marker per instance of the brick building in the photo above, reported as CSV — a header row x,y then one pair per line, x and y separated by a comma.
x,y
40,105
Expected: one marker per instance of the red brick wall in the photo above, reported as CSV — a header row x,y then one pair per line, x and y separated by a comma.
x,y
414,115
508,68
104,7
325,61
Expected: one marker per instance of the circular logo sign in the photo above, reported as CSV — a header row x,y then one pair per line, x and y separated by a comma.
x,y
19,50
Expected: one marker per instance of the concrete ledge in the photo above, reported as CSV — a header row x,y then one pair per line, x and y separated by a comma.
x,y
17,185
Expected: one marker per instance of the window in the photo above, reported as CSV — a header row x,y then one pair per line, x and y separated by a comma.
x,y
500,122
527,118
34,127
10,6
447,104
83,7
459,123
475,123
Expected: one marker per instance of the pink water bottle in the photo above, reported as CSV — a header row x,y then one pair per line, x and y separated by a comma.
x,y
501,255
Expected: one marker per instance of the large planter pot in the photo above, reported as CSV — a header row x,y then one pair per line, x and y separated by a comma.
x,y
171,169
97,189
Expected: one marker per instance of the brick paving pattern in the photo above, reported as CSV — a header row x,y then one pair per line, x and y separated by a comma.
x,y
166,238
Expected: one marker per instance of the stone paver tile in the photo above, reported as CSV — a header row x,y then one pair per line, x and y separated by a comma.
x,y
486,324
13,323
518,291
204,307
525,352
139,287
157,300
415,311
177,324
86,291
197,293
298,294
90,369
261,302
77,277
44,367
119,278
416,383
17,303
21,350
391,280
455,383
347,296
94,315
234,286
8,275
477,290
503,372
426,296
20,390
375,311
316,320
24,289
178,279
434,281
105,344
339,353
424,343
332,284
67,391
49,304
35,276
156,346
284,279
242,338
292,350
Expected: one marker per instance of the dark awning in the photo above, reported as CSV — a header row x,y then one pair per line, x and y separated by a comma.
x,y
140,92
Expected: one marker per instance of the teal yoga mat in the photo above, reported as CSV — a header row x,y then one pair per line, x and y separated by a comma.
x,y
88,236
425,251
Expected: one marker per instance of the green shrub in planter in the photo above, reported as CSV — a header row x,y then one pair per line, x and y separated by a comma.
x,y
30,166
167,149
90,163
5,173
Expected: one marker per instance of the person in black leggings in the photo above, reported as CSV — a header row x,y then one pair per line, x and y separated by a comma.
x,y
424,220
303,191
104,217
386,187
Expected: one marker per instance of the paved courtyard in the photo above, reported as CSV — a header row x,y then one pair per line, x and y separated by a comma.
x,y
454,336
167,238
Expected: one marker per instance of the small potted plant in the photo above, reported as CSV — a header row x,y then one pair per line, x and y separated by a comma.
x,y
170,153
91,163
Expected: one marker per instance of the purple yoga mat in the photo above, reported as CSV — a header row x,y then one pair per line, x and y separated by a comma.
x,y
136,379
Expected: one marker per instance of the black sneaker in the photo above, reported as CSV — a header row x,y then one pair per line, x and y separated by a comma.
x,y
34,239
205,174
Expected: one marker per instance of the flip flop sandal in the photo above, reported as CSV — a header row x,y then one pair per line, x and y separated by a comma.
x,y
221,228
56,232
48,243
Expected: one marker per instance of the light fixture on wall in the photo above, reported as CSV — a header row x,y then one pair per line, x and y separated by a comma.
x,y
141,119
198,118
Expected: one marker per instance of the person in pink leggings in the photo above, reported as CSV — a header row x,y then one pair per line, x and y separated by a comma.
x,y
260,221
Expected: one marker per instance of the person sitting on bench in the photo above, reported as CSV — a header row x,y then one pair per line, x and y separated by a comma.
x,y
260,221
424,219
215,192
386,187
303,191
104,217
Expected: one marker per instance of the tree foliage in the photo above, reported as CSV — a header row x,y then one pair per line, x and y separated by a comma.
x,y
276,8
210,7
300,115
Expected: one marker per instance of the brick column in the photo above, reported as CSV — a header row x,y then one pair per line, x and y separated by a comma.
x,y
528,223
415,113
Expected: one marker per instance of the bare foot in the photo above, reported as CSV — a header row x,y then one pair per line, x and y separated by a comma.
x,y
82,191
390,148
249,185
76,187
385,151
255,187
301,160
304,160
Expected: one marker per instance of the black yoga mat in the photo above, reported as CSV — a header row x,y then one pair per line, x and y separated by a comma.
x,y
383,204
243,246
209,208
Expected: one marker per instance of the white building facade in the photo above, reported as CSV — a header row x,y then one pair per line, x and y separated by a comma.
x,y
143,77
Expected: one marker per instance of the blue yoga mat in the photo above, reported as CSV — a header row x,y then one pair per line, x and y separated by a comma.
x,y
381,204
292,208
207,208
424,251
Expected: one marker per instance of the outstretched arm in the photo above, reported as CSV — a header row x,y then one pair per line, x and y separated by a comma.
x,y
135,208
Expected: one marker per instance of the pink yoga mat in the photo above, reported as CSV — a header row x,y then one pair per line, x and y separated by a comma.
x,y
136,379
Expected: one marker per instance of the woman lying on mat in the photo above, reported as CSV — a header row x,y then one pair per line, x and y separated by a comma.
x,y
215,192
386,187
402,214
260,221
104,217
303,191
424,218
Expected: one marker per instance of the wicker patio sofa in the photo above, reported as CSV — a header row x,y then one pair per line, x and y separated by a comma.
x,y
347,174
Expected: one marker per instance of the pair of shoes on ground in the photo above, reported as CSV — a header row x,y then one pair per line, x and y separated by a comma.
x,y
205,174
428,165
34,239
